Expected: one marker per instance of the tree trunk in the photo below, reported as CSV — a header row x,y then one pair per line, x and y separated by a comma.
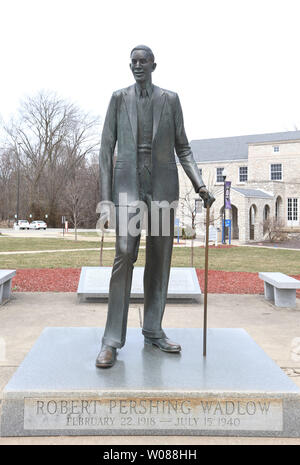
x,y
75,226
192,253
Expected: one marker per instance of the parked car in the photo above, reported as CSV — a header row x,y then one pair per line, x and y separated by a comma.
x,y
39,224
21,224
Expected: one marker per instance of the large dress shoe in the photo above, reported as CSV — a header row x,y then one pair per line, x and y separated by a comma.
x,y
164,344
106,357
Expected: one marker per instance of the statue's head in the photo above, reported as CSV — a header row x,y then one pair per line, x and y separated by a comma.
x,y
142,63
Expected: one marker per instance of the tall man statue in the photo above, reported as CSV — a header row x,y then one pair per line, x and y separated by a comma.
x,y
147,123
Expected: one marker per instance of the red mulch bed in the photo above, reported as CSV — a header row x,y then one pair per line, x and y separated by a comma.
x,y
231,282
66,280
46,280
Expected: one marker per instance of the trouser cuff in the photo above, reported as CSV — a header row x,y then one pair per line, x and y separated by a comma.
x,y
154,334
112,343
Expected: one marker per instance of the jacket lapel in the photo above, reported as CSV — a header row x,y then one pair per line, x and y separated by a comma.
x,y
130,100
158,99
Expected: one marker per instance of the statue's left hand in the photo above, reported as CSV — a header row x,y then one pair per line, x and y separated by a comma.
x,y
207,198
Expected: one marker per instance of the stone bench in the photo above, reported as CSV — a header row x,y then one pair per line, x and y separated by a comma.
x,y
5,284
280,288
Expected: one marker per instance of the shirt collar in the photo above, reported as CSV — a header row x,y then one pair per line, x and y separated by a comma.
x,y
149,89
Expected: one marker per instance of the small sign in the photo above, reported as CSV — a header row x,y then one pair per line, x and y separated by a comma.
x,y
176,222
227,223
212,233
198,206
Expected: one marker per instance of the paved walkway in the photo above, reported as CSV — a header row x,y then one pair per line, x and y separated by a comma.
x,y
24,317
52,251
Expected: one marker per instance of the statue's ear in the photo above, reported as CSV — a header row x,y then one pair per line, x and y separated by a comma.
x,y
153,66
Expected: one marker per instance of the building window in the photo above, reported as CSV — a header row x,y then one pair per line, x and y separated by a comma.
x,y
243,173
220,174
276,172
292,211
276,148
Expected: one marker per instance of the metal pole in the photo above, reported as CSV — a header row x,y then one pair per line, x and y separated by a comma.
x,y
224,235
18,184
205,282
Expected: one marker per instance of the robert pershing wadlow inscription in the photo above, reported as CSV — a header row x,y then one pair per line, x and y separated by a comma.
x,y
146,123
154,413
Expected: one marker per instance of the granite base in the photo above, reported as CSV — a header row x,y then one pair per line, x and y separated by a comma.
x,y
236,390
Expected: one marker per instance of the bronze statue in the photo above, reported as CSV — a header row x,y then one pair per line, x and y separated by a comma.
x,y
147,123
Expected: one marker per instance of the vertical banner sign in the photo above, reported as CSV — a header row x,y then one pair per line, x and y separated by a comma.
x,y
227,194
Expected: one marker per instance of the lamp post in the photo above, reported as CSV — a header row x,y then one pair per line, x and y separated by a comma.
x,y
18,181
224,174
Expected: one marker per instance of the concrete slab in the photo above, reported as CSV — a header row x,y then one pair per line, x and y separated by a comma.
x,y
280,280
5,285
280,288
237,390
94,283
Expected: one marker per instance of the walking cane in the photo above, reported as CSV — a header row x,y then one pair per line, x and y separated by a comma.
x,y
205,281
208,205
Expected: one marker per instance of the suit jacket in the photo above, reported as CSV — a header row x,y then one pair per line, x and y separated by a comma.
x,y
168,136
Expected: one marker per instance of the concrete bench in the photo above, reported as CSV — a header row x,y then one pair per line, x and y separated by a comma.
x,y
5,284
280,288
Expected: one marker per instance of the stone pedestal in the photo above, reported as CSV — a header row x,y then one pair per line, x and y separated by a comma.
x,y
236,390
94,283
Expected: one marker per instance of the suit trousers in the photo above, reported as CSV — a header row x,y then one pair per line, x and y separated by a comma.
x,y
156,274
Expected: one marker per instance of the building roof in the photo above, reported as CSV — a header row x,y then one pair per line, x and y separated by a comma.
x,y
257,193
234,148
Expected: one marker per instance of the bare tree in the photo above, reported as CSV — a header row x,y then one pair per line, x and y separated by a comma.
x,y
273,229
52,138
6,180
75,202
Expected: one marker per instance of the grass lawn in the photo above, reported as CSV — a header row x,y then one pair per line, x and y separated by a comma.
x,y
14,244
251,259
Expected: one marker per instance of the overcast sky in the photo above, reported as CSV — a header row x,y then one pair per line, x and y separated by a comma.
x,y
235,64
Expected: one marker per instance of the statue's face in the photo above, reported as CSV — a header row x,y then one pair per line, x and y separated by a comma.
x,y
141,66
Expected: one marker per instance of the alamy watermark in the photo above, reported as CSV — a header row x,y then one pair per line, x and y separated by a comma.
x,y
129,218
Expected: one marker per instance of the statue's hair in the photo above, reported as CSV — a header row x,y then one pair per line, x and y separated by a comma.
x,y
147,49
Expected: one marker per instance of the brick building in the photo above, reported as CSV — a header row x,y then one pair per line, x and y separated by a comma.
x,y
264,171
